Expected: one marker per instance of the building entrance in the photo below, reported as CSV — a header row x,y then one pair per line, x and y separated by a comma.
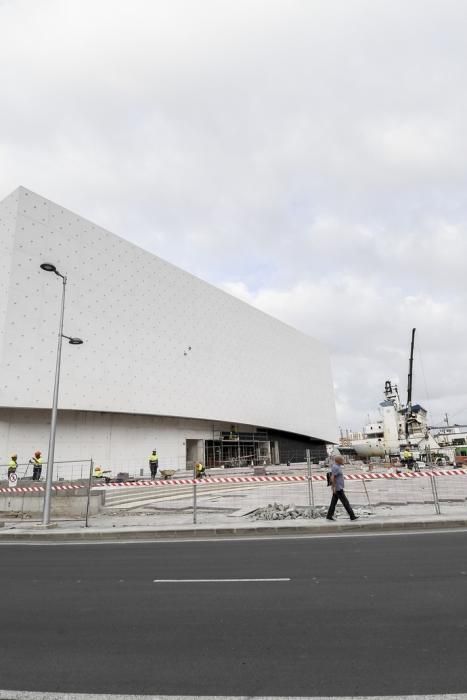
x,y
194,453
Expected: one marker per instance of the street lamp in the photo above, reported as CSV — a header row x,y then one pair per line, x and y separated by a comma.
x,y
48,267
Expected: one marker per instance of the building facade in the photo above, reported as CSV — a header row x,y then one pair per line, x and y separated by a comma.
x,y
168,361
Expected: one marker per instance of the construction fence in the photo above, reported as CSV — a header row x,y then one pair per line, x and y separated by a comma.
x,y
280,496
67,470
298,491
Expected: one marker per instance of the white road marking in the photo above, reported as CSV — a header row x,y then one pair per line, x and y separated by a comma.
x,y
239,538
26,695
217,580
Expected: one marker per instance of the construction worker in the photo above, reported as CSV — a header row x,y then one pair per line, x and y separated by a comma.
x,y
99,473
153,463
12,465
407,456
36,462
200,470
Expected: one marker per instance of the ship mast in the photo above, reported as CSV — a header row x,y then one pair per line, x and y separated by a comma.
x,y
408,410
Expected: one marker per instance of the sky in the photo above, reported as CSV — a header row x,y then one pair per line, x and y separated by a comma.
x,y
307,156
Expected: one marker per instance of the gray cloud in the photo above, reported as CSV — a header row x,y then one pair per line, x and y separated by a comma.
x,y
307,155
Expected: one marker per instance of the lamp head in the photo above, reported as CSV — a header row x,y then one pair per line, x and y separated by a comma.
x,y
48,267
75,341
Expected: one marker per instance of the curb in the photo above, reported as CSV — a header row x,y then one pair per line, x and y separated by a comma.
x,y
150,535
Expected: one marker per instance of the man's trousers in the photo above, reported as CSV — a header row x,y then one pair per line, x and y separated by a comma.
x,y
36,473
340,496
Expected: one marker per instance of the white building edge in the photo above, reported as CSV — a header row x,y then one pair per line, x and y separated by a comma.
x,y
250,389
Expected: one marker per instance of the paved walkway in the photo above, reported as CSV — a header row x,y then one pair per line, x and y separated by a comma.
x,y
153,527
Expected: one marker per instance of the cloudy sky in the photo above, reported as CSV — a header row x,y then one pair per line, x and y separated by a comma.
x,y
309,156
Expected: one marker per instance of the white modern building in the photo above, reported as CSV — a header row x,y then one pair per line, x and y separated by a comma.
x,y
250,389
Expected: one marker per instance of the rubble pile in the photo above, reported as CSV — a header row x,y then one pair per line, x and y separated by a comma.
x,y
278,511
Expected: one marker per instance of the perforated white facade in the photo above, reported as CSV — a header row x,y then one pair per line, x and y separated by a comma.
x,y
138,314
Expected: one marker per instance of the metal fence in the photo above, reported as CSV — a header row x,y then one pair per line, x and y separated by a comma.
x,y
296,491
66,470
299,491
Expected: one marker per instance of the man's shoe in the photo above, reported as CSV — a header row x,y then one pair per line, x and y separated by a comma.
x,y
355,517
330,518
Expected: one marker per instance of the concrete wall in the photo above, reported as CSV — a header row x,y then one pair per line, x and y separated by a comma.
x,y
138,314
64,503
117,441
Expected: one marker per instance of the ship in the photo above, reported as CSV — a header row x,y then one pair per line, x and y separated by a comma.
x,y
400,427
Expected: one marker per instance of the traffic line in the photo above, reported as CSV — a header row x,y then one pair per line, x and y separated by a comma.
x,y
219,580
26,695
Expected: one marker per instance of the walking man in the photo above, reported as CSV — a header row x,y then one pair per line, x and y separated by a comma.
x,y
337,483
153,463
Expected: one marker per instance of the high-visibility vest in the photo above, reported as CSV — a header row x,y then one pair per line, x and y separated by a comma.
x,y
12,465
97,471
37,461
199,467
153,458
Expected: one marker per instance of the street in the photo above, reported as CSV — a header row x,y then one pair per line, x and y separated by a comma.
x,y
353,615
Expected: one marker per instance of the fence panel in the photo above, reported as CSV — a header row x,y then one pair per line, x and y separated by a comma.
x,y
69,470
222,497
451,493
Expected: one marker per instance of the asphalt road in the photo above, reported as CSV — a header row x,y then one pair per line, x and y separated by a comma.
x,y
381,615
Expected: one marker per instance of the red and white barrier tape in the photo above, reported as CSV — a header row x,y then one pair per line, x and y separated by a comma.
x,y
370,476
298,478
39,489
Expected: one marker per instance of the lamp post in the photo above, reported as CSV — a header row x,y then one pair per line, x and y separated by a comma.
x,y
48,267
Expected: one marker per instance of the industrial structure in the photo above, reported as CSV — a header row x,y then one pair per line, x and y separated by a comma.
x,y
403,429
168,361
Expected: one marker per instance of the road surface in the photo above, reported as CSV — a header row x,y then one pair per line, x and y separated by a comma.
x,y
352,615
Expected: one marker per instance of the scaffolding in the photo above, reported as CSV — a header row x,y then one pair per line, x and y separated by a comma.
x,y
237,449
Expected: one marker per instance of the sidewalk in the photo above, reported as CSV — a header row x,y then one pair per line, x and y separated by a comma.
x,y
118,529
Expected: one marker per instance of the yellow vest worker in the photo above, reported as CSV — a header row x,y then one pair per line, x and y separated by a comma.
x,y
36,462
12,465
200,470
153,463
98,472
408,459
